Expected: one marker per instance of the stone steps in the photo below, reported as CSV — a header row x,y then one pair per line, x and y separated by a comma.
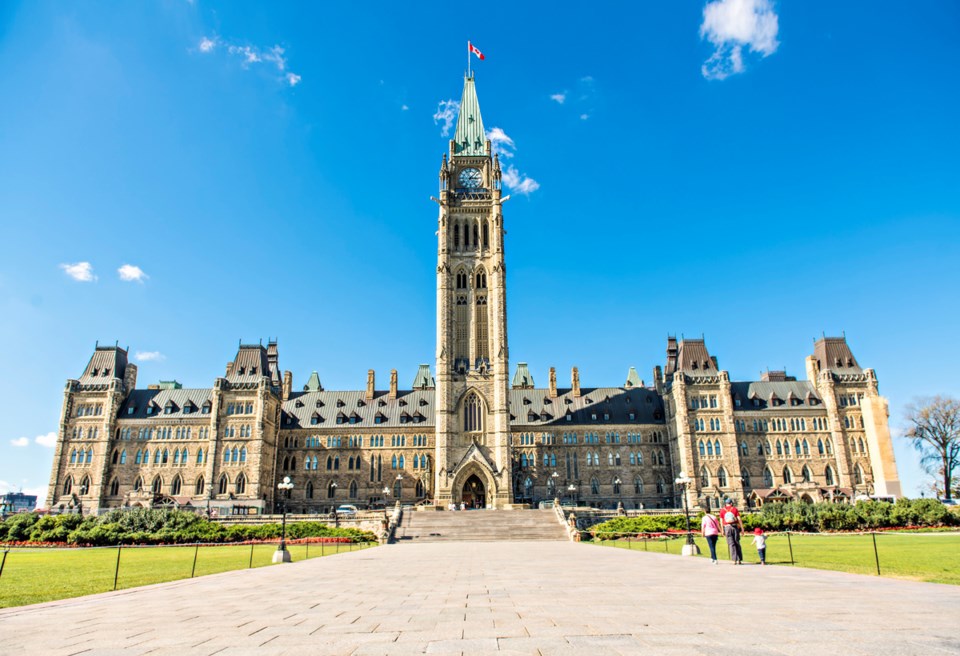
x,y
475,525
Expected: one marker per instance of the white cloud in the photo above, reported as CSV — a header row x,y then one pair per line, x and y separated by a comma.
x,y
519,183
559,97
275,55
49,440
150,356
81,271
293,79
403,108
207,44
447,114
252,55
732,24
20,441
501,143
131,273
584,117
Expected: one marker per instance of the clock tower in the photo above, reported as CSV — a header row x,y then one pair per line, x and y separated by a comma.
x,y
472,413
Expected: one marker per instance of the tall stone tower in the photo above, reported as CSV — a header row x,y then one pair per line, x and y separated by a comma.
x,y
473,414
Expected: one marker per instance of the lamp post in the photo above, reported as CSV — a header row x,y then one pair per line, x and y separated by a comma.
x,y
281,555
616,486
556,492
398,486
572,489
690,548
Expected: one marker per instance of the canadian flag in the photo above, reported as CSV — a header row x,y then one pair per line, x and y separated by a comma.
x,y
472,48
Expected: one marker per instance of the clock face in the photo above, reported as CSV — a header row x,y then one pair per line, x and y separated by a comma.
x,y
470,178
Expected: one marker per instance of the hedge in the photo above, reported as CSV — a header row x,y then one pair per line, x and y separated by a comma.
x,y
799,516
145,526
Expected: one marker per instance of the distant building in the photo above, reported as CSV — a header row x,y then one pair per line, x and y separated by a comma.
x,y
14,502
472,434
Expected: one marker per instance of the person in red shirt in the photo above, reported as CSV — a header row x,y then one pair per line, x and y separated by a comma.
x,y
732,528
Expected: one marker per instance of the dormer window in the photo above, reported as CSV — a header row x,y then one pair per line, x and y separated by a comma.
x,y
131,409
106,372
593,416
186,409
423,402
242,370
633,416
526,401
288,420
253,371
206,408
340,403
149,409
360,403
319,403
168,409
694,366
95,371
381,403
315,419
569,416
606,416
531,416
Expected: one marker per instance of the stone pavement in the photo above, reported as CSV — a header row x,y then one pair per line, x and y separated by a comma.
x,y
507,597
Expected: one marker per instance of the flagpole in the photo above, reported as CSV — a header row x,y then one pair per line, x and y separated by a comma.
x,y
468,59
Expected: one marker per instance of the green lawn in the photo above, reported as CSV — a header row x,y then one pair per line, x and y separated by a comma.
x,y
929,557
34,575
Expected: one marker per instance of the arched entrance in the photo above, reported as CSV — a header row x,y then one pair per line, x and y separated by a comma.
x,y
474,494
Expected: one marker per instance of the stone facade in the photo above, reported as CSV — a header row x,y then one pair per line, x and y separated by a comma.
x,y
470,434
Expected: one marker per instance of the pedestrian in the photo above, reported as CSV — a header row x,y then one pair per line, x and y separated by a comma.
x,y
463,506
710,528
732,528
760,540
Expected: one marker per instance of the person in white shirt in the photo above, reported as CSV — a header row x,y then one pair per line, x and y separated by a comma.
x,y
760,540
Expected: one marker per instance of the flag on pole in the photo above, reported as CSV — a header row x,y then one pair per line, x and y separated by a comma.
x,y
472,48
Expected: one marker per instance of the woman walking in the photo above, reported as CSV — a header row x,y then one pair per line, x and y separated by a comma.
x,y
710,528
732,528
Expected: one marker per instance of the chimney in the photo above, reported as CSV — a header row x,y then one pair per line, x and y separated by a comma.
x,y
287,384
370,384
130,378
393,385
553,383
229,369
575,382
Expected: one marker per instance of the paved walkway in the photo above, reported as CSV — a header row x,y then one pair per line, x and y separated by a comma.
x,y
511,597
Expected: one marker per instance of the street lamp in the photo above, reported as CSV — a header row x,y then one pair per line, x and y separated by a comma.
x,y
690,548
616,488
572,489
556,494
281,555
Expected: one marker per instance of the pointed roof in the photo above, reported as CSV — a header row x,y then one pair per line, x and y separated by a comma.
x,y
424,379
313,383
470,139
522,379
633,378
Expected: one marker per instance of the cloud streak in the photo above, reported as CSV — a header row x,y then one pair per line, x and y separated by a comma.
x,y
559,98
20,442
445,115
150,356
81,271
732,25
49,440
252,55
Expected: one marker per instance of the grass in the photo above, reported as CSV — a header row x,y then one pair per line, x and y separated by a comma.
x,y
928,557
32,576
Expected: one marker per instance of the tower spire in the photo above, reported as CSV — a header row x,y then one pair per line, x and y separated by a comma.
x,y
469,139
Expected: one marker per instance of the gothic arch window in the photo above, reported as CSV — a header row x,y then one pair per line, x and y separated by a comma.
x,y
616,485
157,486
114,487
456,236
787,475
661,486
68,485
828,475
481,279
85,486
461,279
329,463
722,477
594,486
486,234
332,490
745,477
462,328
138,484
702,448
820,446
476,234
482,336
199,486
466,235
858,474
241,485
398,489
805,473
116,457
779,448
175,487
243,454
767,477
704,477
419,489
89,456
222,486
528,487
309,492
138,458
176,457
353,489
638,485
716,447
226,455
472,414
123,457
806,447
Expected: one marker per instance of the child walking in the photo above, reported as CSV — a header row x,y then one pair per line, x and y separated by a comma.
x,y
760,540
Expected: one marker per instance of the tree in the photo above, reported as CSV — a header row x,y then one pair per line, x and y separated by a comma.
x,y
934,430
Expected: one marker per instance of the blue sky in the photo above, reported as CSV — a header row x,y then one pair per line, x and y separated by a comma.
x,y
755,172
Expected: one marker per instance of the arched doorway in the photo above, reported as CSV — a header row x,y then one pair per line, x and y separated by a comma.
x,y
474,494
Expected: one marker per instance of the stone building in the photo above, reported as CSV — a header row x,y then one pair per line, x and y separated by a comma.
x,y
471,433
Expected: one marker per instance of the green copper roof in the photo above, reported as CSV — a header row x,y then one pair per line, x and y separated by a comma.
x,y
633,379
169,385
522,379
424,379
470,138
313,384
